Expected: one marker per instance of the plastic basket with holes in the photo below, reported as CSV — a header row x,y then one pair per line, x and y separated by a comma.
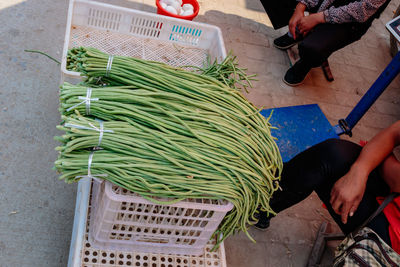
x,y
127,32
83,254
123,220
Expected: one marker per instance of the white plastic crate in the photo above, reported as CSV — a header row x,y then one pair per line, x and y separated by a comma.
x,y
83,254
125,221
127,32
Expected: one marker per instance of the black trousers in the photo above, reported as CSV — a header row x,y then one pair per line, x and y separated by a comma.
x,y
324,39
317,169
327,38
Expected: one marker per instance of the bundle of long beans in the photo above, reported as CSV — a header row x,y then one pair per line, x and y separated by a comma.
x,y
227,72
172,133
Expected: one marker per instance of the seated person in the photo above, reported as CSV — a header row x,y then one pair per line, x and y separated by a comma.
x,y
331,25
348,179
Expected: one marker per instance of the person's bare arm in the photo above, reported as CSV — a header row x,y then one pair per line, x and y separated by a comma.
x,y
348,191
379,148
390,171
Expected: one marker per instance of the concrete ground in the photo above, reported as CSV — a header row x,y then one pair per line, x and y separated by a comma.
x,y
36,210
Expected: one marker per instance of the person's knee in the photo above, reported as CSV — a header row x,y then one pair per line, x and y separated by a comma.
x,y
312,51
333,143
342,152
328,160
310,47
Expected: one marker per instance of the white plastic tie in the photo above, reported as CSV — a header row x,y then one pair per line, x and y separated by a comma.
x,y
90,175
101,131
92,128
86,100
109,64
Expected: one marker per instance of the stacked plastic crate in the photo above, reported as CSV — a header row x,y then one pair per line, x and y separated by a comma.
x,y
124,229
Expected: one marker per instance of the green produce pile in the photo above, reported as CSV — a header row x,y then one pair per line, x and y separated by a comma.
x,y
169,133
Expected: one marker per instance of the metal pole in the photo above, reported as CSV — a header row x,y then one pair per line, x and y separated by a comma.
x,y
346,125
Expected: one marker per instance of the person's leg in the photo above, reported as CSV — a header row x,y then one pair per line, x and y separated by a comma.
x,y
368,205
327,38
319,44
327,161
318,168
321,164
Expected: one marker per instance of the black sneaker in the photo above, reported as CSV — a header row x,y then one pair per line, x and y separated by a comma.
x,y
263,221
296,74
285,41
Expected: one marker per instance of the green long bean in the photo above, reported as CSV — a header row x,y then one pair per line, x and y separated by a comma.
x,y
169,133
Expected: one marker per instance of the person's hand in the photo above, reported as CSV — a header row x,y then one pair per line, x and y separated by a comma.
x,y
307,23
296,17
347,193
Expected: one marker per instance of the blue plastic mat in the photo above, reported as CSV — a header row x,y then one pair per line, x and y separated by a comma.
x,y
299,127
